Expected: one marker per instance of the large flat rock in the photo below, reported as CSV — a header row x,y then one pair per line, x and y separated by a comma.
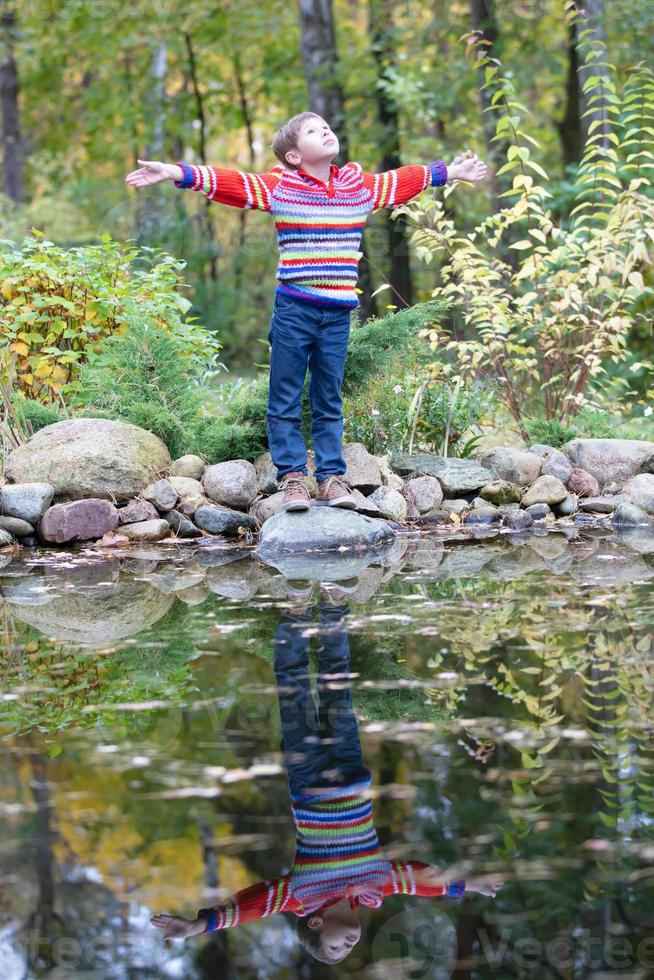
x,y
608,459
320,529
454,475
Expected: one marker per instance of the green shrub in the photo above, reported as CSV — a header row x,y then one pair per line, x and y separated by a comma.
x,y
554,325
589,423
144,378
57,305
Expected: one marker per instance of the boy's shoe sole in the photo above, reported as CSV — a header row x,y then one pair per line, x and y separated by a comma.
x,y
341,502
297,505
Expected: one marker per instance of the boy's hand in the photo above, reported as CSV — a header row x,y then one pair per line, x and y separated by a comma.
x,y
467,166
153,172
485,884
174,927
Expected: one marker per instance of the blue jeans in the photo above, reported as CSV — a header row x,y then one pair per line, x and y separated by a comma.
x,y
320,742
301,335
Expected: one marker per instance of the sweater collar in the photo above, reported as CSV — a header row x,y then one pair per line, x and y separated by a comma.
x,y
333,172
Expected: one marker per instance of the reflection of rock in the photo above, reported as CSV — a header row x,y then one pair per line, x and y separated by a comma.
x,y
320,529
638,539
97,615
88,457
239,580
328,566
609,566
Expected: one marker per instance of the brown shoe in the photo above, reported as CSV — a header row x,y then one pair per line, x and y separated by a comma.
x,y
296,494
334,492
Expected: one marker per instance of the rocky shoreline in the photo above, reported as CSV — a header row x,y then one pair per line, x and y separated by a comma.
x,y
112,483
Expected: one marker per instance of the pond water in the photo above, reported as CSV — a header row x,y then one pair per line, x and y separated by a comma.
x,y
491,693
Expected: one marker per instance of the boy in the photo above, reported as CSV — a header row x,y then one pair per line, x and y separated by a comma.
x,y
319,211
339,865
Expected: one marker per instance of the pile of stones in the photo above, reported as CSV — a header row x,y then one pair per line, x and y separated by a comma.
x,y
113,483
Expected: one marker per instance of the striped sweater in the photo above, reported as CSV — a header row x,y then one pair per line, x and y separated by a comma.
x,y
319,226
337,855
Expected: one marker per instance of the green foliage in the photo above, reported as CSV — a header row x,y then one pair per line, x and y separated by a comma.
x,y
551,329
588,423
384,344
142,377
58,305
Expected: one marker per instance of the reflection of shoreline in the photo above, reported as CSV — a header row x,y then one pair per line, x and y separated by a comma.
x,y
89,599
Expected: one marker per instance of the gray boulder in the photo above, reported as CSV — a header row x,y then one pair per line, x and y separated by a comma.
x,y
26,501
391,503
538,511
362,471
136,511
266,507
189,466
456,476
5,538
147,530
86,457
582,484
185,486
266,473
16,527
181,525
517,520
501,492
512,464
320,529
232,483
389,478
608,459
545,490
161,494
640,491
602,504
80,520
556,463
222,520
426,492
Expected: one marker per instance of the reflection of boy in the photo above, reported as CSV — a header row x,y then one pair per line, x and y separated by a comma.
x,y
338,864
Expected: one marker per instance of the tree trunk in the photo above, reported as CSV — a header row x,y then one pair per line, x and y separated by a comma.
x,y
13,147
380,28
320,57
149,205
199,108
569,126
591,17
482,14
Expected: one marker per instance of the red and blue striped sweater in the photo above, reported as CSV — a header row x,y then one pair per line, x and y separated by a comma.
x,y
319,226
337,855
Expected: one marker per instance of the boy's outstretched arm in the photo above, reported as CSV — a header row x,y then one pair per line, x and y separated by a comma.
x,y
418,878
398,186
238,188
254,902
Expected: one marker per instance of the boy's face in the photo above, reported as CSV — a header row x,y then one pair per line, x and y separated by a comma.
x,y
339,928
316,143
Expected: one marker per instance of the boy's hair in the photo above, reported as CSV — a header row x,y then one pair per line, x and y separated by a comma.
x,y
286,136
311,940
